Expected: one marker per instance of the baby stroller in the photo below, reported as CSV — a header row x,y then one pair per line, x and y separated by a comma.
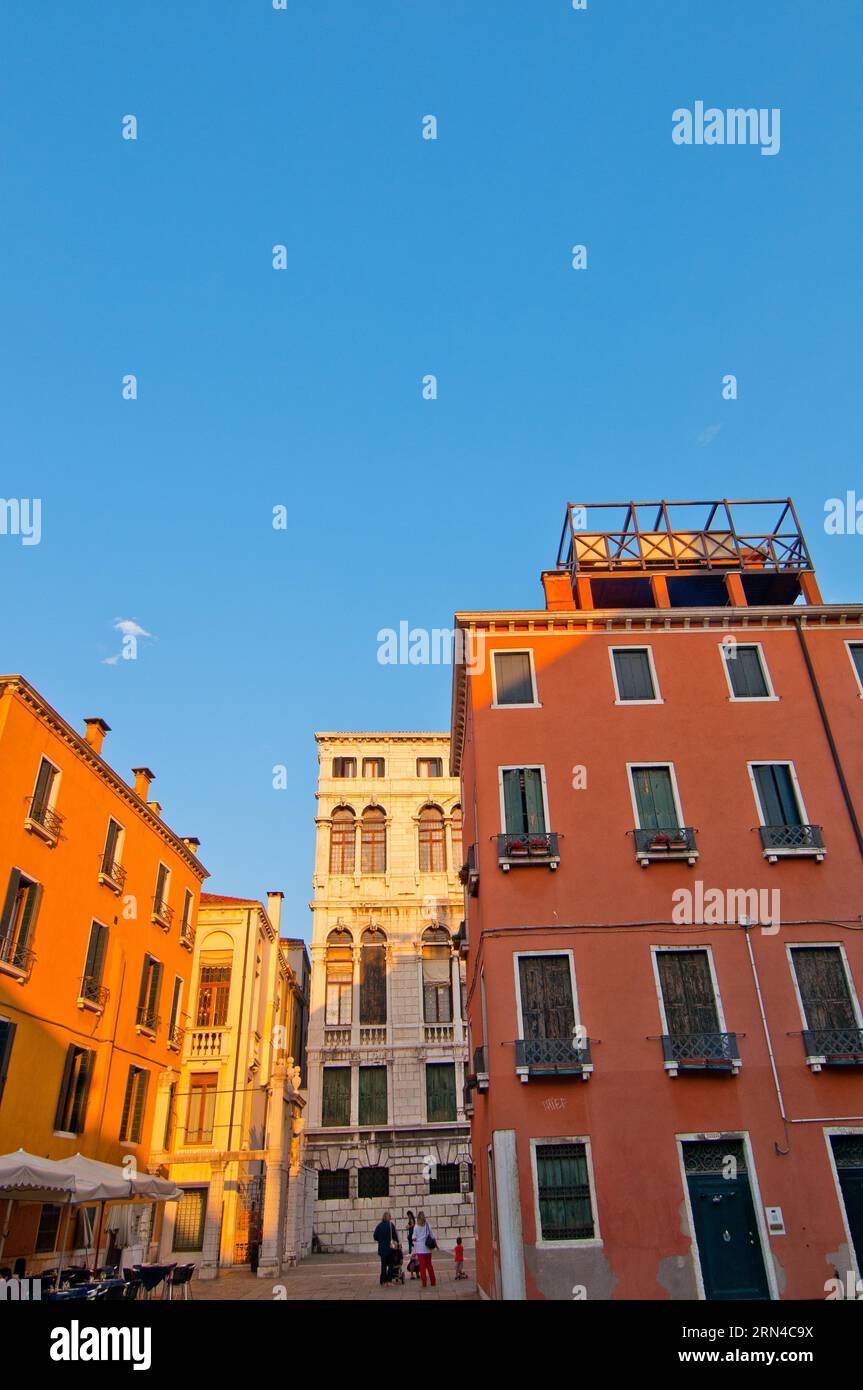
x,y
395,1269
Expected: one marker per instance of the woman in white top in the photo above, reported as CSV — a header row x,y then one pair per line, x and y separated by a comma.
x,y
424,1243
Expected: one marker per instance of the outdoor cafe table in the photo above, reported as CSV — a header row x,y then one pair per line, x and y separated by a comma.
x,y
152,1275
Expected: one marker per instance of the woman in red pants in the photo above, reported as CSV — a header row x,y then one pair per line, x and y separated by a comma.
x,y
424,1244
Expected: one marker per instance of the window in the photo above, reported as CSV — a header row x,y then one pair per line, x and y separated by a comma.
x,y
344,767
656,807
373,838
373,1182
333,1185
134,1105
563,1192
42,801
429,767
7,1037
445,1178
336,1096
688,995
456,833
825,993
74,1089
777,797
373,978
186,924
340,975
545,987
190,1218
373,1096
111,852
523,801
214,990
148,995
160,897
19,920
437,975
373,767
432,841
203,1088
746,671
634,678
440,1092
169,1117
174,1021
855,651
343,842
49,1227
94,964
513,678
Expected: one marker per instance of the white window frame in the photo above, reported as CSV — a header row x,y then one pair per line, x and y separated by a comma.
x,y
514,651
766,1251
724,649
848,645
519,767
594,1242
833,1131
635,647
675,790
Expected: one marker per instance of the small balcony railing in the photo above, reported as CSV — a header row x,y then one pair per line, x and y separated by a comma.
x,y
439,1033
176,1034
480,1067
665,842
785,841
147,1020
337,1035
553,1057
373,1035
93,993
163,913
16,957
187,936
700,1052
113,875
469,871
534,849
833,1047
44,820
206,1044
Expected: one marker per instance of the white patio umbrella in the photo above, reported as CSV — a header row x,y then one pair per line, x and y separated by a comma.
x,y
107,1182
26,1177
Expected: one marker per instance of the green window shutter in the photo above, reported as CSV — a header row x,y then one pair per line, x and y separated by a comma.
x,y
145,981
175,1003
512,678
745,673
857,658
824,988
60,1113
687,992
95,961
127,1103
513,803
155,988
654,798
776,794
533,801
9,904
373,1096
82,1092
44,783
634,677
7,1037
141,1082
336,1096
440,1091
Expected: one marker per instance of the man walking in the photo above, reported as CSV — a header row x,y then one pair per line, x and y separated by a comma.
x,y
386,1236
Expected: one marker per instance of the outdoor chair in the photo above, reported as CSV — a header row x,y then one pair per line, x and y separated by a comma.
x,y
181,1278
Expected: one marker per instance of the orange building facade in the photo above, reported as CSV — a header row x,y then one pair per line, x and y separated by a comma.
x,y
99,900
662,784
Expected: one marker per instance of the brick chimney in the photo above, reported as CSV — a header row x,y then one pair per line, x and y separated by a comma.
x,y
191,842
143,777
96,729
274,909
155,807
558,590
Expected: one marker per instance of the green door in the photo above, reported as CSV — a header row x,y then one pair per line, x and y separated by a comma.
x,y
848,1154
729,1246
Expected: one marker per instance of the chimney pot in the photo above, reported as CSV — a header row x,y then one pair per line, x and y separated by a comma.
x,y
96,729
274,909
191,842
155,807
143,777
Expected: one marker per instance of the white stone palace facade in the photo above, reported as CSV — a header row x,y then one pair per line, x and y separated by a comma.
x,y
385,1125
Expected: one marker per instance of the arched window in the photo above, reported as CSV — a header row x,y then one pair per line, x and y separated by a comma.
x,y
340,977
437,975
455,831
343,841
374,841
373,977
432,841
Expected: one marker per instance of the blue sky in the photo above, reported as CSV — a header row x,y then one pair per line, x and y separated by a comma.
x,y
405,257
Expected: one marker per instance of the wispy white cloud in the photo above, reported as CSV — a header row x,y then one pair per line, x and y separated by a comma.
x,y
130,631
708,435
130,628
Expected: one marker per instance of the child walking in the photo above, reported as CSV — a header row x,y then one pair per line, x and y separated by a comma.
x,y
458,1255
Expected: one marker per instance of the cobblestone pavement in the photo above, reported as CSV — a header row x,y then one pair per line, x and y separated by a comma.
x,y
339,1277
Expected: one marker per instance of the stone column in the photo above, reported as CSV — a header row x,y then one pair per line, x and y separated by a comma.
x,y
209,1267
272,1222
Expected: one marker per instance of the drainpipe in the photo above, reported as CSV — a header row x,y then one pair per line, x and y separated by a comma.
x,y
825,723
781,1103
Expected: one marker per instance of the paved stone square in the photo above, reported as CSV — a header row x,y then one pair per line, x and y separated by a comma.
x,y
342,1276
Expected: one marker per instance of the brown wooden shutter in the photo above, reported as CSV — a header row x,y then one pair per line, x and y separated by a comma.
x,y
824,987
687,992
546,997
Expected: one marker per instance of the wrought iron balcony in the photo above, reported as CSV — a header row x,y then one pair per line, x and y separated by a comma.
x,y
553,1057
113,875
469,871
93,993
665,842
162,913
528,849
44,820
700,1052
175,1037
468,1096
783,841
480,1066
187,936
833,1047
16,957
147,1019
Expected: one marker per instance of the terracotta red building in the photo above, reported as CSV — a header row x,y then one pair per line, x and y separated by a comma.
x,y
662,778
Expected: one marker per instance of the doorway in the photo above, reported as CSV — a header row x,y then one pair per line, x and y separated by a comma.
x,y
726,1230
